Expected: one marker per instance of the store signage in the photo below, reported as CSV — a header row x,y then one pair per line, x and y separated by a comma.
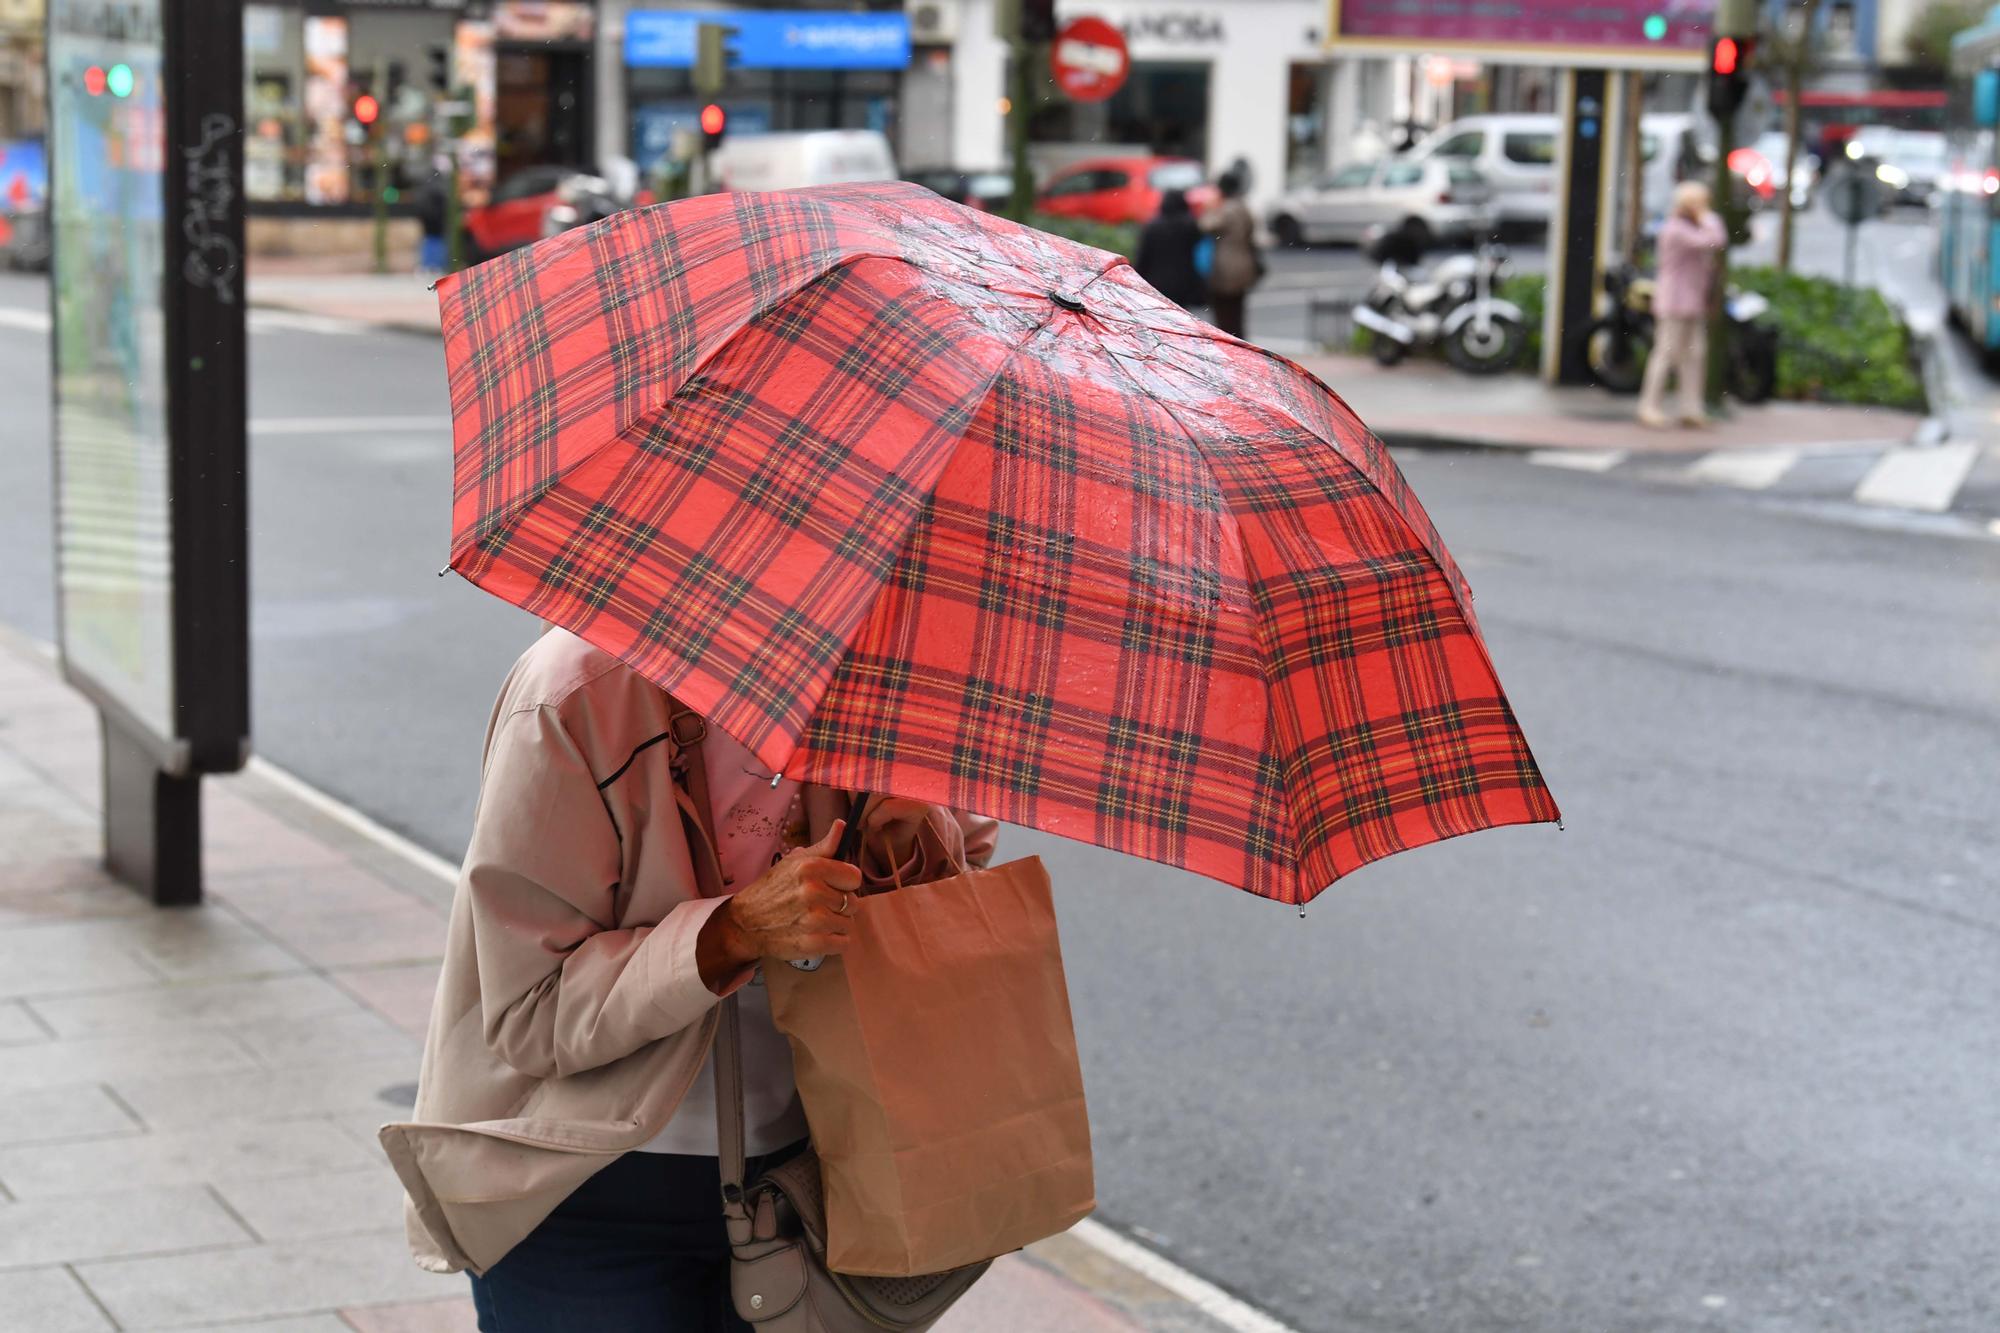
x,y
1627,34
1176,28
1089,60
771,39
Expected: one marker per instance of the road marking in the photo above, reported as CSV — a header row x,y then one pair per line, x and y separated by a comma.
x,y
1233,1313
33,321
1749,469
268,318
346,425
1581,460
1993,526
1926,480
1211,1300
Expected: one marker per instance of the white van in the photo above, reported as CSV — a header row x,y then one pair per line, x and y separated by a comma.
x,y
1515,154
808,157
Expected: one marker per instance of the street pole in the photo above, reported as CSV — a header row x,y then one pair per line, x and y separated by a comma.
x,y
381,157
1733,18
1020,95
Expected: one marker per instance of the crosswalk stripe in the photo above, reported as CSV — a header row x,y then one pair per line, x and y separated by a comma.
x,y
440,422
1749,469
1923,479
268,319
1581,460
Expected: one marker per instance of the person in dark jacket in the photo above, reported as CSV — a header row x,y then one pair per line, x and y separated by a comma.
x,y
1166,252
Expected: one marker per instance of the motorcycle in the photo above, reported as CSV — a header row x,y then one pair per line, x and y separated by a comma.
x,y
1617,343
1453,304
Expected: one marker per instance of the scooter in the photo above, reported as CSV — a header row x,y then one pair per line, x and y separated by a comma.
x,y
1453,304
1617,343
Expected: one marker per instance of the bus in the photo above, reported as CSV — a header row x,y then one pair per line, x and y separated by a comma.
x,y
1968,197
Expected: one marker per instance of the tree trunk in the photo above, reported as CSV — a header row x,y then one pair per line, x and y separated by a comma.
x,y
1794,82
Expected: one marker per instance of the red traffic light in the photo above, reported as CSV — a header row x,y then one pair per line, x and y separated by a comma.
x,y
366,109
93,80
713,119
1723,59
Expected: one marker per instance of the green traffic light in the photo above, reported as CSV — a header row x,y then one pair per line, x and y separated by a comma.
x,y
1655,27
118,80
391,194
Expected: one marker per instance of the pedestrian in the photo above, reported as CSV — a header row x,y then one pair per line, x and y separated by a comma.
x,y
564,1144
432,254
1166,255
1690,245
1237,266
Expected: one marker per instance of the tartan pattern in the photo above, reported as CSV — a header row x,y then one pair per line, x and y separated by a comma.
x,y
834,467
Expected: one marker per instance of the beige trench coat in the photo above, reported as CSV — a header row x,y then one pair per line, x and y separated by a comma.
x,y
570,1018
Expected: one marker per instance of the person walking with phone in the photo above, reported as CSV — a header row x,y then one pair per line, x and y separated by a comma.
x,y
1690,247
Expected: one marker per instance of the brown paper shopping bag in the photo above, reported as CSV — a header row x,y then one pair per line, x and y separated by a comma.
x,y
938,1070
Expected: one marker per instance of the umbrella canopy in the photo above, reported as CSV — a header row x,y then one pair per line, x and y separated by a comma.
x,y
912,499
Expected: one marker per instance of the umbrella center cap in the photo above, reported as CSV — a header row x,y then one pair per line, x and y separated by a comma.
x,y
1067,302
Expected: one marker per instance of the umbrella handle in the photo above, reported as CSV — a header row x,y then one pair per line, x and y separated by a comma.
x,y
850,847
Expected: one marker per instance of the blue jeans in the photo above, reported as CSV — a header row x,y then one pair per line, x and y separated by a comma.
x,y
638,1248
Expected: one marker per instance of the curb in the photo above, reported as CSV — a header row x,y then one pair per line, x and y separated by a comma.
x,y
378,325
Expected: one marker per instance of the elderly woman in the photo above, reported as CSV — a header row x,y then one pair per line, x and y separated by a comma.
x,y
1690,245
563,1146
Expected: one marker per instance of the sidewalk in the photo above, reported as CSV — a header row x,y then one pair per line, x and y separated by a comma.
x,y
188,1099
1415,405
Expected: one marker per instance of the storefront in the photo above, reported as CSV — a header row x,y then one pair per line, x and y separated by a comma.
x,y
803,68
1226,82
524,70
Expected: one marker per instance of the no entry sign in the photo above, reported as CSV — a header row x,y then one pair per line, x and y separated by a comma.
x,y
1089,59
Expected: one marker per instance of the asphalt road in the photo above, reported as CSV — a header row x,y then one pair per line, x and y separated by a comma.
x,y
1720,1056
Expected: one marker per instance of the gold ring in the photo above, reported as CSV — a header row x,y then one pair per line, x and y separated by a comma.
x,y
846,904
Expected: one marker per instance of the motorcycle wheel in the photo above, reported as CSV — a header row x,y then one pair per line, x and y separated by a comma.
x,y
1386,350
1617,358
1486,352
1753,368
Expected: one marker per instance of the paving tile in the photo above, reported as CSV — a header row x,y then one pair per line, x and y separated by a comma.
x,y
307,1323
72,1111
74,1227
113,1060
401,931
331,1203
64,890
452,1316
308,1090
235,1150
237,837
64,959
346,1038
17,1025
1018,1294
204,944
48,1300
264,1281
295,997
400,993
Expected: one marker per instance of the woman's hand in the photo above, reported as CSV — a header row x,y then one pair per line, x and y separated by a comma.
x,y
799,908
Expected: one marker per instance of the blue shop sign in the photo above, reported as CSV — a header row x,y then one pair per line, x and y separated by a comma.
x,y
771,38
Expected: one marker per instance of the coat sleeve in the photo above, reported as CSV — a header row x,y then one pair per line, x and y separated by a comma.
x,y
561,990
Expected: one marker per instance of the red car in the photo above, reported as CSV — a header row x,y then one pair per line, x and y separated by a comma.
x,y
540,201
1123,189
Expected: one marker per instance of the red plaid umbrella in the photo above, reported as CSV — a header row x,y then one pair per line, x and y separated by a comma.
x,y
911,499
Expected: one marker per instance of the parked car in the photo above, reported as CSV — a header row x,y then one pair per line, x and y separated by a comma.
x,y
987,191
1516,154
1448,200
24,203
1764,162
540,201
1123,189
795,159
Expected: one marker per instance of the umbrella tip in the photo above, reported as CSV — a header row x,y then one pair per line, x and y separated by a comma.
x,y
1560,826
1302,911
446,570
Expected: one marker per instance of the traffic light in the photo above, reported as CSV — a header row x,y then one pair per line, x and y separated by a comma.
x,y
712,57
1728,74
439,71
1655,27
366,110
714,120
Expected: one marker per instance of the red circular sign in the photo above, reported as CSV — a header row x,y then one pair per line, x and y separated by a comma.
x,y
1089,59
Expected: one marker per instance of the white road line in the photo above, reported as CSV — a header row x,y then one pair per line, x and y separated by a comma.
x,y
1582,460
346,425
1211,1300
34,321
1750,469
1236,1315
1926,480
265,318
1993,526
